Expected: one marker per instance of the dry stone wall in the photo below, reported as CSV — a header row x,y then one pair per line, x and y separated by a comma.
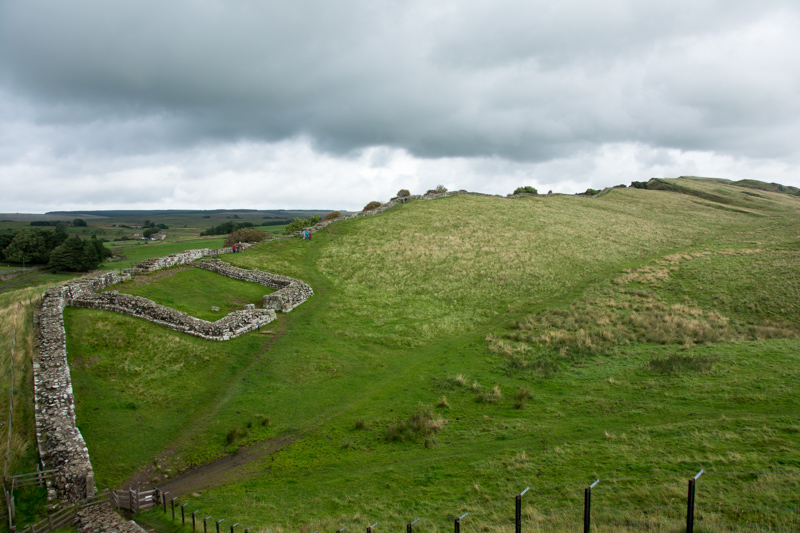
x,y
103,519
61,445
181,258
290,292
231,326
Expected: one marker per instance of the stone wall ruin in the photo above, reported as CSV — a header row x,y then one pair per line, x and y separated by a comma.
x,y
61,445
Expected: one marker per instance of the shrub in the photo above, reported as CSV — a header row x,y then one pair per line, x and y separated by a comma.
x,y
527,189
492,396
422,424
524,393
372,205
332,216
227,227
591,192
676,363
301,223
440,189
443,404
639,184
360,424
245,235
402,193
232,435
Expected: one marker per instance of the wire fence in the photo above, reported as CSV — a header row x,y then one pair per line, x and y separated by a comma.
x,y
8,494
599,506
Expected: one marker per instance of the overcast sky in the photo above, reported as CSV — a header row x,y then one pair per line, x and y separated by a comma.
x,y
331,104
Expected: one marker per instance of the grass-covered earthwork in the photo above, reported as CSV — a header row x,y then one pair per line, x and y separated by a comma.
x,y
195,291
458,350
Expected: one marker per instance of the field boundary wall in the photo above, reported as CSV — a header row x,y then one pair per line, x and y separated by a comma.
x,y
61,445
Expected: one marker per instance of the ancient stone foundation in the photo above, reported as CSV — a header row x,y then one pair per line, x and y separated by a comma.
x,y
291,292
229,327
103,519
61,445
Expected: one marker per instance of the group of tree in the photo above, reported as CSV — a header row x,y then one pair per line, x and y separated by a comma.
x,y
227,227
33,246
245,235
153,225
301,223
77,255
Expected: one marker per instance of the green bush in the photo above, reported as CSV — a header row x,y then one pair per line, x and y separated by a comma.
x,y
301,223
527,189
440,189
402,193
227,227
245,235
422,424
372,205
676,363
591,192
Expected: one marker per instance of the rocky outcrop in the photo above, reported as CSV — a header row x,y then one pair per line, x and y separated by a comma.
x,y
226,328
290,292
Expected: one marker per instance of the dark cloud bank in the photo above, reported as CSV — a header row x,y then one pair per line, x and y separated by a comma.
x,y
331,96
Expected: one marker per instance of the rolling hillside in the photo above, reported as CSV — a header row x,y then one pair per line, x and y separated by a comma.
x,y
461,349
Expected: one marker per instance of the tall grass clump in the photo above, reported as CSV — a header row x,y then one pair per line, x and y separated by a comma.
x,y
423,424
677,363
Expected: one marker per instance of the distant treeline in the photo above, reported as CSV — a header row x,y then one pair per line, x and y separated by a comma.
x,y
59,223
227,227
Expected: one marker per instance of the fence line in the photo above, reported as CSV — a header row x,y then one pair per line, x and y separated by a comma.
x,y
187,513
9,496
65,516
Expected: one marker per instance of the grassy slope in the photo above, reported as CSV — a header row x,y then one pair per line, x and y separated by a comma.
x,y
403,303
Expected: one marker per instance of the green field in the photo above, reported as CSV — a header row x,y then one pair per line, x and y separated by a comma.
x,y
195,291
459,350
127,256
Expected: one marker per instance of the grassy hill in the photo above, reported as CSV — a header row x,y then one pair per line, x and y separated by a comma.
x,y
459,350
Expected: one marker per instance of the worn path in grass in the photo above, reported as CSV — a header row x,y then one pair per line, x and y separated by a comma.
x,y
23,280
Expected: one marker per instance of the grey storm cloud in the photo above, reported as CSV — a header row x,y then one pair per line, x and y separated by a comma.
x,y
522,80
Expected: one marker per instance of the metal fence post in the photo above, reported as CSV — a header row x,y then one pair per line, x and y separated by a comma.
x,y
205,529
164,501
183,514
690,503
457,523
172,502
218,521
518,511
369,528
193,519
233,526
587,507
410,525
